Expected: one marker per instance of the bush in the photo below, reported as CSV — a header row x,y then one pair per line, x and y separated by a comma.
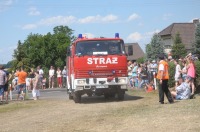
x,y
197,80
172,73
171,81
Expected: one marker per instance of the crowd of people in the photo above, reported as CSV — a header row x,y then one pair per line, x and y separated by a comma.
x,y
148,76
34,80
152,74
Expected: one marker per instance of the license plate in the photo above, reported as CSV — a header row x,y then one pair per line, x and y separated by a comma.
x,y
101,86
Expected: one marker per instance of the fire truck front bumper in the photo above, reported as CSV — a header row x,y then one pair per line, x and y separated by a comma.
x,y
100,83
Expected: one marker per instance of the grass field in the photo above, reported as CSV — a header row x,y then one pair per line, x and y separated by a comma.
x,y
139,111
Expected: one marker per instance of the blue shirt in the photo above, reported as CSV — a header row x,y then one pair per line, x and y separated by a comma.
x,y
183,90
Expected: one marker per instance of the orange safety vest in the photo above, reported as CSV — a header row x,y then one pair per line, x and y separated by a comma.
x,y
165,72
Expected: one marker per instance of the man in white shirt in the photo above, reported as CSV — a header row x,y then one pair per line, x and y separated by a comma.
x,y
64,74
41,73
51,76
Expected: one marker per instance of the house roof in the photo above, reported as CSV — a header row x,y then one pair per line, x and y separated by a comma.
x,y
137,51
186,31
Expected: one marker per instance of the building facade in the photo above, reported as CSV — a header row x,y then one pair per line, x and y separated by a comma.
x,y
134,51
186,31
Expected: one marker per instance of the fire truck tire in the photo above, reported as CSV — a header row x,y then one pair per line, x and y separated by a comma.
x,y
106,95
77,97
112,95
120,95
70,96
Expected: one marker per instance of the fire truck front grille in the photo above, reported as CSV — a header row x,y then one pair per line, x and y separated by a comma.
x,y
100,73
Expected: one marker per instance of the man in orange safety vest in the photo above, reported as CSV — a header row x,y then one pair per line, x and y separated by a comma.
x,y
163,77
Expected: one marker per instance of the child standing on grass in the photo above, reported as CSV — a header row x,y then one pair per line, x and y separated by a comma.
x,y
36,86
44,83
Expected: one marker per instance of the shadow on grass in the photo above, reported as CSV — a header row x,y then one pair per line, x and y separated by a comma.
x,y
101,99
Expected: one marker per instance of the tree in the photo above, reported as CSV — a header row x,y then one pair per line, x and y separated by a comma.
x,y
197,39
44,50
148,51
21,58
178,48
155,47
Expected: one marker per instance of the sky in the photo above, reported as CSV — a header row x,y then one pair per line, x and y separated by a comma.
x,y
135,20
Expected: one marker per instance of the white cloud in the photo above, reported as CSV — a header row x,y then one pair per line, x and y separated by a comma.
x,y
142,39
110,18
33,11
98,19
90,19
65,20
57,20
89,35
134,37
4,4
152,32
167,16
132,17
29,26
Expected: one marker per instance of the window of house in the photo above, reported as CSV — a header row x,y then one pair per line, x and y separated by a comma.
x,y
130,50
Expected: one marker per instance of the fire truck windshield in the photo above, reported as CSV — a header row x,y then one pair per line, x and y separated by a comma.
x,y
100,47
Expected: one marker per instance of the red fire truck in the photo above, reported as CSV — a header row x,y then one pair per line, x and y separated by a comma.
x,y
97,66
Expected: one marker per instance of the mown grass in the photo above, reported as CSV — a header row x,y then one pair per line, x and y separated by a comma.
x,y
17,105
140,111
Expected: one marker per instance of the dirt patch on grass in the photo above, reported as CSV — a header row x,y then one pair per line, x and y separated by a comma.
x,y
139,112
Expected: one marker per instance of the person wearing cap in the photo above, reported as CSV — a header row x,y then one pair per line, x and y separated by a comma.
x,y
3,80
163,77
64,75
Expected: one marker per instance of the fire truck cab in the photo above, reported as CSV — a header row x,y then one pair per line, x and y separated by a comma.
x,y
97,66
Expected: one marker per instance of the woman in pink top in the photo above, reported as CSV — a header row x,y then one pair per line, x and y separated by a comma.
x,y
191,72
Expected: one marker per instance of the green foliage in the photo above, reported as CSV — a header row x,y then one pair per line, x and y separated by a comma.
x,y
197,39
172,73
155,47
197,65
43,50
140,60
171,81
148,50
178,48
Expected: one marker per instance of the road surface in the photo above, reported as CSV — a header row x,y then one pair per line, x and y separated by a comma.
x,y
52,93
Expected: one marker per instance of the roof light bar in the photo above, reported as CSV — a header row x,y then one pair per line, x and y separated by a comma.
x,y
80,36
116,35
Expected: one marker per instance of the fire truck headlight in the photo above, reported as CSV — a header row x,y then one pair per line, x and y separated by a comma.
x,y
81,82
122,80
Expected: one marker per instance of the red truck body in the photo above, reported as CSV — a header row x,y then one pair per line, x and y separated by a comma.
x,y
97,66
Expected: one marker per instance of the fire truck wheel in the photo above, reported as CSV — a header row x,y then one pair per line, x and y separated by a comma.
x,y
120,95
106,95
70,96
112,95
77,97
